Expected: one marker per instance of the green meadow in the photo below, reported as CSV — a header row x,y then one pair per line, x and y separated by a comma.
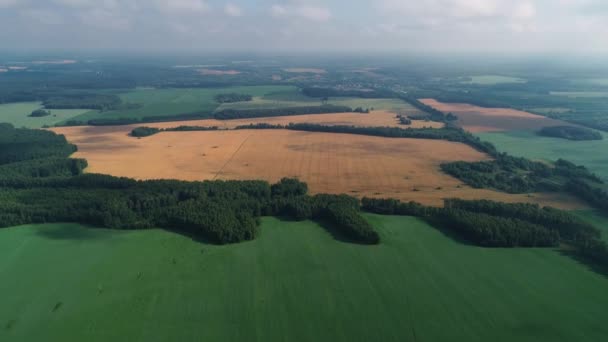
x,y
18,114
296,282
591,154
175,101
294,98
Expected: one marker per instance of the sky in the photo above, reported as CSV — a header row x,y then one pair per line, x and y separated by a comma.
x,y
439,26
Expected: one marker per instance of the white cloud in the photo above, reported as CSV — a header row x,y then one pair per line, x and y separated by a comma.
x,y
184,6
525,10
233,10
278,11
42,16
104,19
314,13
308,12
8,3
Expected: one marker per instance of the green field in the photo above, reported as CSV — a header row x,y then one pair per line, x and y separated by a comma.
x,y
583,94
493,79
172,102
294,98
599,220
17,114
294,283
591,154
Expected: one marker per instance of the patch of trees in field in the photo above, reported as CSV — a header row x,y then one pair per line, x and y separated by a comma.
x,y
404,120
518,175
232,97
102,102
570,133
494,224
321,92
449,133
38,113
228,114
40,184
140,132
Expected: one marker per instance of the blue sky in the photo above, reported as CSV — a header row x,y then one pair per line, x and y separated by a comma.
x,y
517,26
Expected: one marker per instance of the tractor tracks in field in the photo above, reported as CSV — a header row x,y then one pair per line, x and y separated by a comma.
x,y
232,156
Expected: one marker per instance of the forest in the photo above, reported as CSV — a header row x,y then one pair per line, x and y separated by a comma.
x,y
228,114
232,97
495,224
42,185
518,175
38,113
570,133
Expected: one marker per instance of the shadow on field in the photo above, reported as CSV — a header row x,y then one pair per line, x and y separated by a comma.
x,y
328,227
337,234
592,265
72,232
441,227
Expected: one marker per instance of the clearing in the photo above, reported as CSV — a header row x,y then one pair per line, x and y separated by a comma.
x,y
407,169
481,119
590,154
18,114
294,283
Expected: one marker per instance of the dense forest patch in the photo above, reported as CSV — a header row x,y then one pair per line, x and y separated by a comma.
x,y
232,97
570,133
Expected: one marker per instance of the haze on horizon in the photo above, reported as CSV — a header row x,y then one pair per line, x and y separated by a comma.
x,y
442,26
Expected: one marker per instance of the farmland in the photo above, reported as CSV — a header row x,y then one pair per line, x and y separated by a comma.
x,y
18,115
172,102
329,163
373,119
481,119
419,282
530,145
149,103
493,79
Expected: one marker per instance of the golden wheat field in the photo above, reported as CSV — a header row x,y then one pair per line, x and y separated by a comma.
x,y
407,169
375,118
481,119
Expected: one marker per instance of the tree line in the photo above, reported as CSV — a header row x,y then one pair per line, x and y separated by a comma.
x,y
41,184
228,114
145,131
232,97
571,133
495,224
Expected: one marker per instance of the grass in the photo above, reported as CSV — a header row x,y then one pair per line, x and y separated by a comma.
x,y
18,114
493,79
173,102
528,144
583,94
599,220
294,283
294,98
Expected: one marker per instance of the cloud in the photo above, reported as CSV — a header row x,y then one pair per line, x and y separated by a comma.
x,y
42,16
8,3
183,6
314,13
104,19
308,12
278,11
233,10
525,10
